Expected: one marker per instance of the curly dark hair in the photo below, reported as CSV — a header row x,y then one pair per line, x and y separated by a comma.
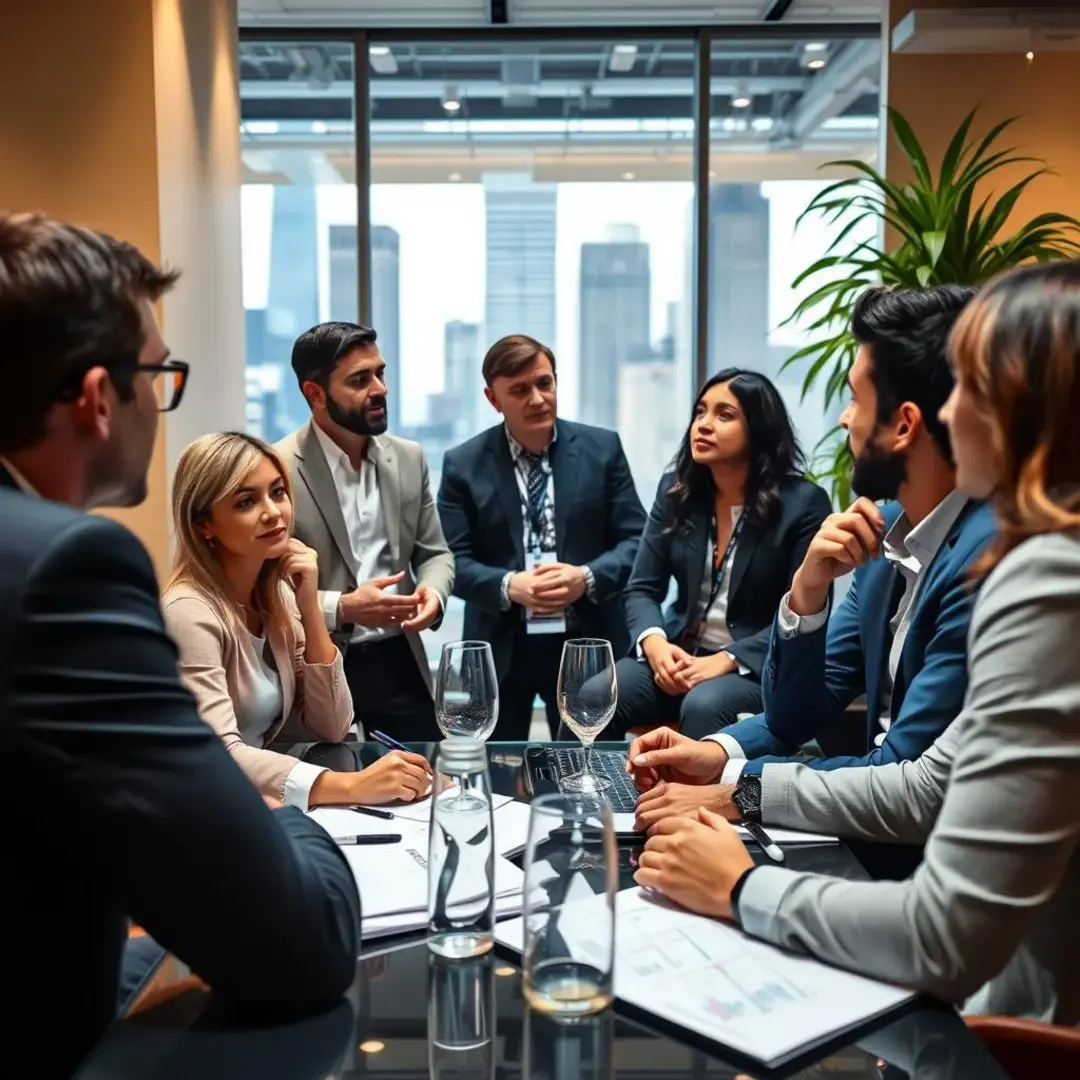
x,y
774,453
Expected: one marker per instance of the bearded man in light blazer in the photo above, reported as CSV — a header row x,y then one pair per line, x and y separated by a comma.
x,y
364,503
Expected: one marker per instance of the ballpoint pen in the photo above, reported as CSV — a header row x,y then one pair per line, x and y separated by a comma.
x,y
764,840
369,838
383,815
379,737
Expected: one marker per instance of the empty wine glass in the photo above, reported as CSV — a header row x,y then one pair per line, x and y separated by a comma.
x,y
467,692
587,695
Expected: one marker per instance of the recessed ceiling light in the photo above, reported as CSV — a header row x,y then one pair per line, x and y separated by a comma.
x,y
622,58
628,176
815,46
454,177
1030,55
814,65
319,127
372,1046
741,102
504,970
382,60
451,100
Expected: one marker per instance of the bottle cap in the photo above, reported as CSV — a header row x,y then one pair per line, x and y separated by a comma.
x,y
459,754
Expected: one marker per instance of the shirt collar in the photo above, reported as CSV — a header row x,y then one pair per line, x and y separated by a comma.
x,y
916,547
21,482
516,449
336,458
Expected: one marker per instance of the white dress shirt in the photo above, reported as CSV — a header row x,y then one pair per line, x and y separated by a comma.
x,y
369,542
911,549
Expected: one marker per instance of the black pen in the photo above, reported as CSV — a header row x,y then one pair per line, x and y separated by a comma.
x,y
764,840
383,815
368,838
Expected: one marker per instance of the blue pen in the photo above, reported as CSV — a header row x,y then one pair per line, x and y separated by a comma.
x,y
379,737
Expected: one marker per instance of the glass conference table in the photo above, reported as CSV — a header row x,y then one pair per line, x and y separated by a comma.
x,y
381,1029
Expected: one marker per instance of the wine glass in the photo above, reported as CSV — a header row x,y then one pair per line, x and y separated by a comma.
x,y
587,695
467,691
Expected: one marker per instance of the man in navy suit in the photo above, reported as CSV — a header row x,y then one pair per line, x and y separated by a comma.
x,y
132,809
543,521
899,636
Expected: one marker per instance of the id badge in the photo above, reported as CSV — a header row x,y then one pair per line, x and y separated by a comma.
x,y
536,623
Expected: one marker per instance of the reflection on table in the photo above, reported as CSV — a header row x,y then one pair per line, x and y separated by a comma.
x,y
408,1015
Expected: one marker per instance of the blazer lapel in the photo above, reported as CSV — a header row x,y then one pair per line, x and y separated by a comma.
x,y
696,545
506,484
874,600
564,456
744,553
313,469
382,454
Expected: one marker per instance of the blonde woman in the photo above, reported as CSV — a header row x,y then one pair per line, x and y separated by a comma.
x,y
243,607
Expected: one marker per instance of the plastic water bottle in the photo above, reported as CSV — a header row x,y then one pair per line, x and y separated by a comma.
x,y
461,857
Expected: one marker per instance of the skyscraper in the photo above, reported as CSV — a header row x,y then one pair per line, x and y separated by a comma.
x,y
463,380
386,313
739,278
520,257
614,313
385,298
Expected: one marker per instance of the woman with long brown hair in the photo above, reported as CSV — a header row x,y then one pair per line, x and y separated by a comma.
x,y
242,605
990,916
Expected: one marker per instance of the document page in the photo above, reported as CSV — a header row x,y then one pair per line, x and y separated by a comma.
x,y
711,978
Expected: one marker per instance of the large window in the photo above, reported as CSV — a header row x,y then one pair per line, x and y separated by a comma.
x,y
547,187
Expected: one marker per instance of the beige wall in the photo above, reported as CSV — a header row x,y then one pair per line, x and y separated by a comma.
x,y
935,92
123,115
77,140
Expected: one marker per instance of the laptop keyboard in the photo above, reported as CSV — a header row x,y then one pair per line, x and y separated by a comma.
x,y
607,763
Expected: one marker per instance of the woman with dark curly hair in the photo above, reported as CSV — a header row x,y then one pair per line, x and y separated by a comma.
x,y
731,523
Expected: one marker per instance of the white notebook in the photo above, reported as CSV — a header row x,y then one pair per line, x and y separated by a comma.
x,y
710,978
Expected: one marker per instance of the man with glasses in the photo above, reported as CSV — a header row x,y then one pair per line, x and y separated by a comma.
x,y
129,807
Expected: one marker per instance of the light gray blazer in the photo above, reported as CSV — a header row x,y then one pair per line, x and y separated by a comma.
x,y
993,913
417,544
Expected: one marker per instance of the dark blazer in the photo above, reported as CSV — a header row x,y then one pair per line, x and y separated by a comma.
x,y
598,519
812,678
766,559
129,806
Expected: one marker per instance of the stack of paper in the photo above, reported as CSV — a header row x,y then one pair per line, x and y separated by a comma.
x,y
392,878
712,979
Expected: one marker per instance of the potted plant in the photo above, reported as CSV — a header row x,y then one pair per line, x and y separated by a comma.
x,y
944,233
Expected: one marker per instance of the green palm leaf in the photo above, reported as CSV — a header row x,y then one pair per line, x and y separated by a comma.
x,y
939,233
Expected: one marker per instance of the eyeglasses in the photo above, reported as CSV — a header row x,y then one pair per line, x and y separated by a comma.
x,y
169,379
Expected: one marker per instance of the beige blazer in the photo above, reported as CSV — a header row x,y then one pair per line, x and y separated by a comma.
x,y
417,544
218,665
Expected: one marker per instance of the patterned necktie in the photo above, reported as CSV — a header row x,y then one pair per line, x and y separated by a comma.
x,y
536,486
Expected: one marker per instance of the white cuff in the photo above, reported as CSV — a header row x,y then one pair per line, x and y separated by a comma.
x,y
329,602
648,633
732,771
298,784
792,625
760,899
740,667
734,751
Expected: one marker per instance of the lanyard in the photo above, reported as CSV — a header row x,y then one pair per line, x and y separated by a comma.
x,y
718,572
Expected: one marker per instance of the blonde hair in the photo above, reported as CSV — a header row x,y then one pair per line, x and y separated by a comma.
x,y
213,467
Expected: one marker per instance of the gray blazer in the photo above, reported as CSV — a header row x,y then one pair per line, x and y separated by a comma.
x,y
417,545
993,913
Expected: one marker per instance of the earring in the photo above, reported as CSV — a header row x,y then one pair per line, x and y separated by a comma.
x,y
209,541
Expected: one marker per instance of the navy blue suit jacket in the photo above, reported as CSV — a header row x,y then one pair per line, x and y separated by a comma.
x,y
598,520
131,807
812,678
765,560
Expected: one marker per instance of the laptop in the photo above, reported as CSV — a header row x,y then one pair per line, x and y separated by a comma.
x,y
546,765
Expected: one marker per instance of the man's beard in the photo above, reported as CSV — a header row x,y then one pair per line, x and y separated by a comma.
x,y
877,474
356,420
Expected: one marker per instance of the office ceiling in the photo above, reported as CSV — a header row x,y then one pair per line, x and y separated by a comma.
x,y
432,14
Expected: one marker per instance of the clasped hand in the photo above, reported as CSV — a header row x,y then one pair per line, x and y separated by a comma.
x,y
548,588
676,672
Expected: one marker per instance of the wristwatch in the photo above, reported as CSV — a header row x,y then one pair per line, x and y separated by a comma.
x,y
747,797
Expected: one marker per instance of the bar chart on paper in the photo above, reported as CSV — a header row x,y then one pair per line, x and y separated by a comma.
x,y
713,979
